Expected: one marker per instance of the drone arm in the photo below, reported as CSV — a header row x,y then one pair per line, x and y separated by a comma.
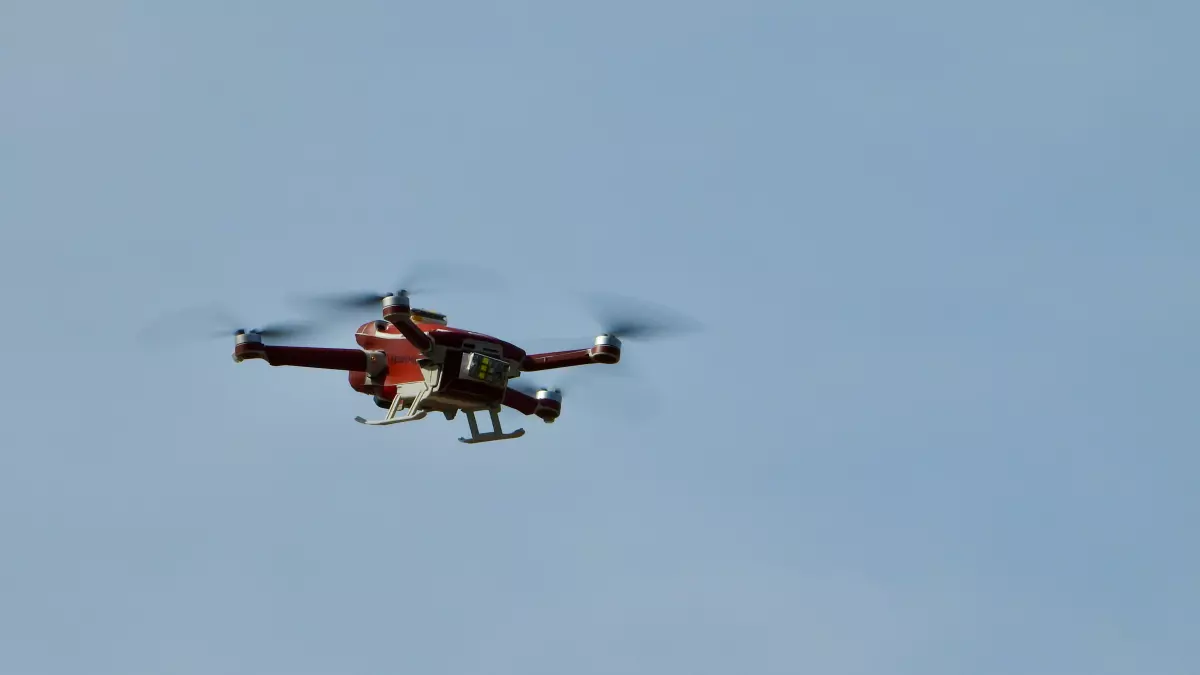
x,y
416,337
398,312
316,357
520,401
573,357
548,409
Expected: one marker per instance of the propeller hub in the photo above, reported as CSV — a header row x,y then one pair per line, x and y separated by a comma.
x,y
548,395
608,340
242,338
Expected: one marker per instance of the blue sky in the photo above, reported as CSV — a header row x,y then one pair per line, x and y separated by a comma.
x,y
941,420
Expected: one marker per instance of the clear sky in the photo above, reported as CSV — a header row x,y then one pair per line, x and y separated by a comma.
x,y
942,419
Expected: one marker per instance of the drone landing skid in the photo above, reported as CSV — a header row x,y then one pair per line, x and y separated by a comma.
x,y
413,413
394,420
496,434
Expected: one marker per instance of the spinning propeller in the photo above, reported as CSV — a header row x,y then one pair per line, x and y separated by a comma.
x,y
422,278
625,319
628,319
199,322
278,330
275,330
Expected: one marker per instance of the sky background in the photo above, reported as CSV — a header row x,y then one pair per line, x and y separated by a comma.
x,y
941,420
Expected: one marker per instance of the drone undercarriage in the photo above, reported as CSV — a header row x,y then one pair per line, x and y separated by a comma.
x,y
420,398
496,434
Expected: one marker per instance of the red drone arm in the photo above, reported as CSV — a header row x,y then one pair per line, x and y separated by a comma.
x,y
416,337
304,357
397,311
573,357
520,401
548,408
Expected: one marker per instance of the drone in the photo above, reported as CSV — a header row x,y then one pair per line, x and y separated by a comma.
x,y
412,363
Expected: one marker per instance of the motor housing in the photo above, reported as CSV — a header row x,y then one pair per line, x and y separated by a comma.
x,y
606,349
549,404
248,346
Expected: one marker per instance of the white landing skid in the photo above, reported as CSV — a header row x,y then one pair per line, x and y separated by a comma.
x,y
496,434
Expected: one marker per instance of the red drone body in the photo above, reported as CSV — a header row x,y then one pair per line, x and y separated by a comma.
x,y
411,360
